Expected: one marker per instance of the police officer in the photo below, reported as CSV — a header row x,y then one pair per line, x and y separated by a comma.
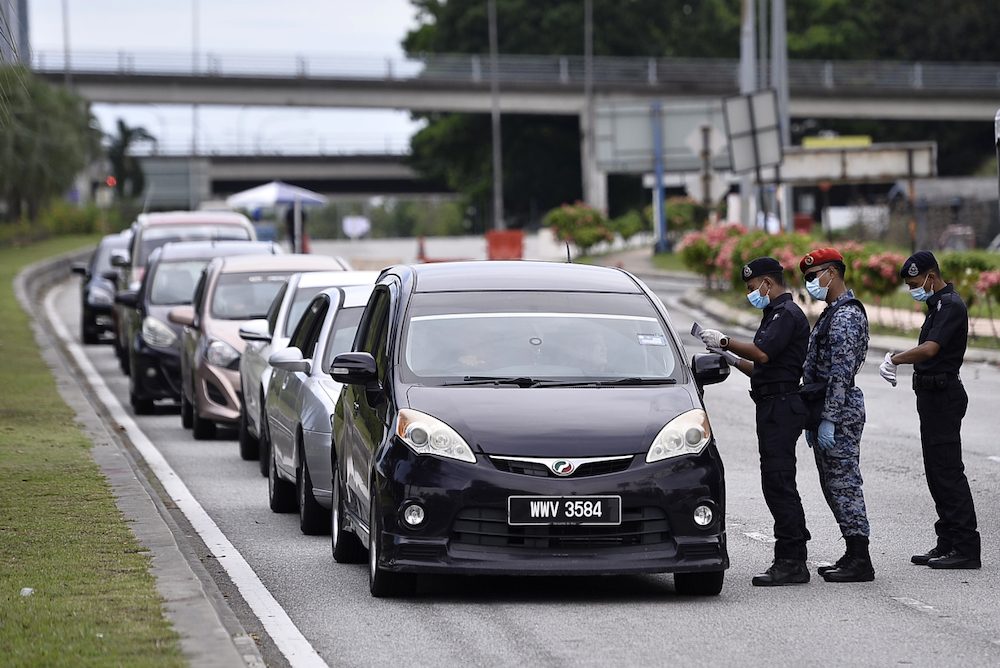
x,y
774,363
837,348
941,405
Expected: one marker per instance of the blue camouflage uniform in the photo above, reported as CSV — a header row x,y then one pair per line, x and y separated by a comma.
x,y
836,358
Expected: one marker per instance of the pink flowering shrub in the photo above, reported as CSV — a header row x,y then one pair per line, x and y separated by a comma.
x,y
579,224
707,252
877,274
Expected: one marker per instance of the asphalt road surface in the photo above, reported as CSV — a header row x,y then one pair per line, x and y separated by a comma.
x,y
909,616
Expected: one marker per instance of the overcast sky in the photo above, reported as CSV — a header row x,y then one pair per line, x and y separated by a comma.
x,y
371,29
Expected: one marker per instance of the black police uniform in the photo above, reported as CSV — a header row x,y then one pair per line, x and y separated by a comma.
x,y
783,336
941,405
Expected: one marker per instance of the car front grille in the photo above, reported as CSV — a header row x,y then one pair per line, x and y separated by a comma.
x,y
486,529
600,467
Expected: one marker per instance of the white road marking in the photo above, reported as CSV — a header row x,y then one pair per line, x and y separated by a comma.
x,y
762,537
994,458
914,603
287,637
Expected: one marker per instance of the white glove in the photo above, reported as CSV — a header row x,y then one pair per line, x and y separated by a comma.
x,y
712,338
730,358
888,370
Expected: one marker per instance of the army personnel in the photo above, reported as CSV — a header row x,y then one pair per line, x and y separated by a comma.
x,y
941,405
837,348
774,364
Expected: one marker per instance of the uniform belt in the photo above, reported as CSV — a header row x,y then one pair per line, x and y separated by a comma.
x,y
771,389
933,381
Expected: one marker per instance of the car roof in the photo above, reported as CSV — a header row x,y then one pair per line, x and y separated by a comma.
x,y
354,295
290,262
498,275
206,250
116,240
193,218
325,279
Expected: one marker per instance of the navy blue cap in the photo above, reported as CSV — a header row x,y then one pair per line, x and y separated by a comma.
x,y
761,266
917,264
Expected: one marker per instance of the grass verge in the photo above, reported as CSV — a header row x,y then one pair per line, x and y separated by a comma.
x,y
95,602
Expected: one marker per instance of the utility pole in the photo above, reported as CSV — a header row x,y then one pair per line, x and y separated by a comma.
x,y
498,217
67,66
779,80
748,82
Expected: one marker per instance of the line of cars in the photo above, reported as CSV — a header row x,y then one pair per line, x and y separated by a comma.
x,y
468,417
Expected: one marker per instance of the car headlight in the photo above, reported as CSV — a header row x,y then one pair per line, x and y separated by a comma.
x,y
686,434
157,333
222,354
427,435
100,297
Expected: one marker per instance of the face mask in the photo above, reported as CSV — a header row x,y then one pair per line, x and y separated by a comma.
x,y
920,294
814,289
758,300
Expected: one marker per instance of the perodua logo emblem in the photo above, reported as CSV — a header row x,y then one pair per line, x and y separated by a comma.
x,y
562,467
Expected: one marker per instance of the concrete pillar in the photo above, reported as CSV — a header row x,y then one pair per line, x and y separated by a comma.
x,y
595,182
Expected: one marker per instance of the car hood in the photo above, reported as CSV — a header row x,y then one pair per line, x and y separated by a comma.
x,y
555,422
228,331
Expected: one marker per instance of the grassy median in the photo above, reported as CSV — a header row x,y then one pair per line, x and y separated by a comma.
x,y
94,602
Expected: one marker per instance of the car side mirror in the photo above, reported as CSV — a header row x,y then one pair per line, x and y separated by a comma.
x,y
709,368
127,298
256,330
354,369
79,268
120,259
110,275
181,315
290,359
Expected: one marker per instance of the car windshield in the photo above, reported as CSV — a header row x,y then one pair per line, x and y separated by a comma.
x,y
174,282
245,296
538,336
344,327
102,262
155,236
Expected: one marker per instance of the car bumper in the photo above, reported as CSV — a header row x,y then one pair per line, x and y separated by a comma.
x,y
98,319
157,372
466,528
218,391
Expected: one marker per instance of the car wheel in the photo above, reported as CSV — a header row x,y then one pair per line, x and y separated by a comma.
x,y
201,428
140,406
87,335
264,441
314,519
347,549
383,583
187,411
280,493
123,362
699,584
249,446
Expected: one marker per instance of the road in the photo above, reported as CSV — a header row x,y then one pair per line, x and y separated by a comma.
x,y
909,615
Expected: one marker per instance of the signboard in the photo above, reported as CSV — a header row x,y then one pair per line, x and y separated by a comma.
x,y
754,130
623,137
356,227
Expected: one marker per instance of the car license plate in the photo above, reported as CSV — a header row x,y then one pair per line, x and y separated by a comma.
x,y
595,510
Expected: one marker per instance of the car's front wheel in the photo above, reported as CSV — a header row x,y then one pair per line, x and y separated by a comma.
x,y
187,411
280,493
347,549
264,440
249,444
699,584
383,583
314,519
201,428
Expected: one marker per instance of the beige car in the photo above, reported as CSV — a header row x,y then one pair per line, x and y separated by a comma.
x,y
231,291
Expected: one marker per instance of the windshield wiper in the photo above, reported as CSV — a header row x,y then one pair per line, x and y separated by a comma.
x,y
606,383
521,381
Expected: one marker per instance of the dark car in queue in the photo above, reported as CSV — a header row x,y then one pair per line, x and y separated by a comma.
x,y
152,230
230,292
524,418
153,342
97,290
301,397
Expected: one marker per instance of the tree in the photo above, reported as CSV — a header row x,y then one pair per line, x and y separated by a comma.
x,y
130,180
48,136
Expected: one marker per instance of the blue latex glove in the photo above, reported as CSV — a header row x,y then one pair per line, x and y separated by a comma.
x,y
824,437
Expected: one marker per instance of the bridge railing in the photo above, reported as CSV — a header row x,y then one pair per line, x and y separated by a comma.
x,y
715,75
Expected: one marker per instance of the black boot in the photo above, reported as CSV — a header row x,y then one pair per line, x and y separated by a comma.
x,y
783,572
856,565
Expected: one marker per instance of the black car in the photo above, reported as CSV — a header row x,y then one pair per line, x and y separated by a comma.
x,y
153,341
524,418
97,291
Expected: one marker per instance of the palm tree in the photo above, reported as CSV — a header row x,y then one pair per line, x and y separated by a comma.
x,y
125,167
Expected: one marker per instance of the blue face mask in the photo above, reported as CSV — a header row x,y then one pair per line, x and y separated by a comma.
x,y
758,300
920,294
814,289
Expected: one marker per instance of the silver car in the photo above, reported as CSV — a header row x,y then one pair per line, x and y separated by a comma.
x,y
271,334
299,406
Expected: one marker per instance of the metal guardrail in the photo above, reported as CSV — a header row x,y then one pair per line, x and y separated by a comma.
x,y
693,73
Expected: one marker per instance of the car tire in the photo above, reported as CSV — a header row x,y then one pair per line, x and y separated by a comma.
x,y
264,442
699,584
88,335
383,583
280,493
314,519
202,429
347,549
187,411
140,406
249,445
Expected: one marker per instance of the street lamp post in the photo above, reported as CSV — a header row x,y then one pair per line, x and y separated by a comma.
x,y
498,221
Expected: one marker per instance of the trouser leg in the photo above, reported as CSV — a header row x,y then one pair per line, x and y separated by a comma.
x,y
779,424
840,479
956,526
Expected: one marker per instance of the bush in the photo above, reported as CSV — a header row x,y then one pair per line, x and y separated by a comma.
x,y
877,274
964,270
579,224
630,224
709,252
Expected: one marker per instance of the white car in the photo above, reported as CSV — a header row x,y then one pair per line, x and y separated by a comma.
x,y
300,402
266,336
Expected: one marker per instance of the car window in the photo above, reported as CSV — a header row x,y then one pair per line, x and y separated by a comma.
x,y
538,335
244,296
345,326
307,331
102,259
199,291
300,300
173,283
153,237
272,312
375,336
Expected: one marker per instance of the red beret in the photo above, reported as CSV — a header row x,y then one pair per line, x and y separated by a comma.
x,y
819,257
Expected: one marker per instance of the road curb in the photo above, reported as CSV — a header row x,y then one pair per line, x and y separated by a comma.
x,y
211,636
